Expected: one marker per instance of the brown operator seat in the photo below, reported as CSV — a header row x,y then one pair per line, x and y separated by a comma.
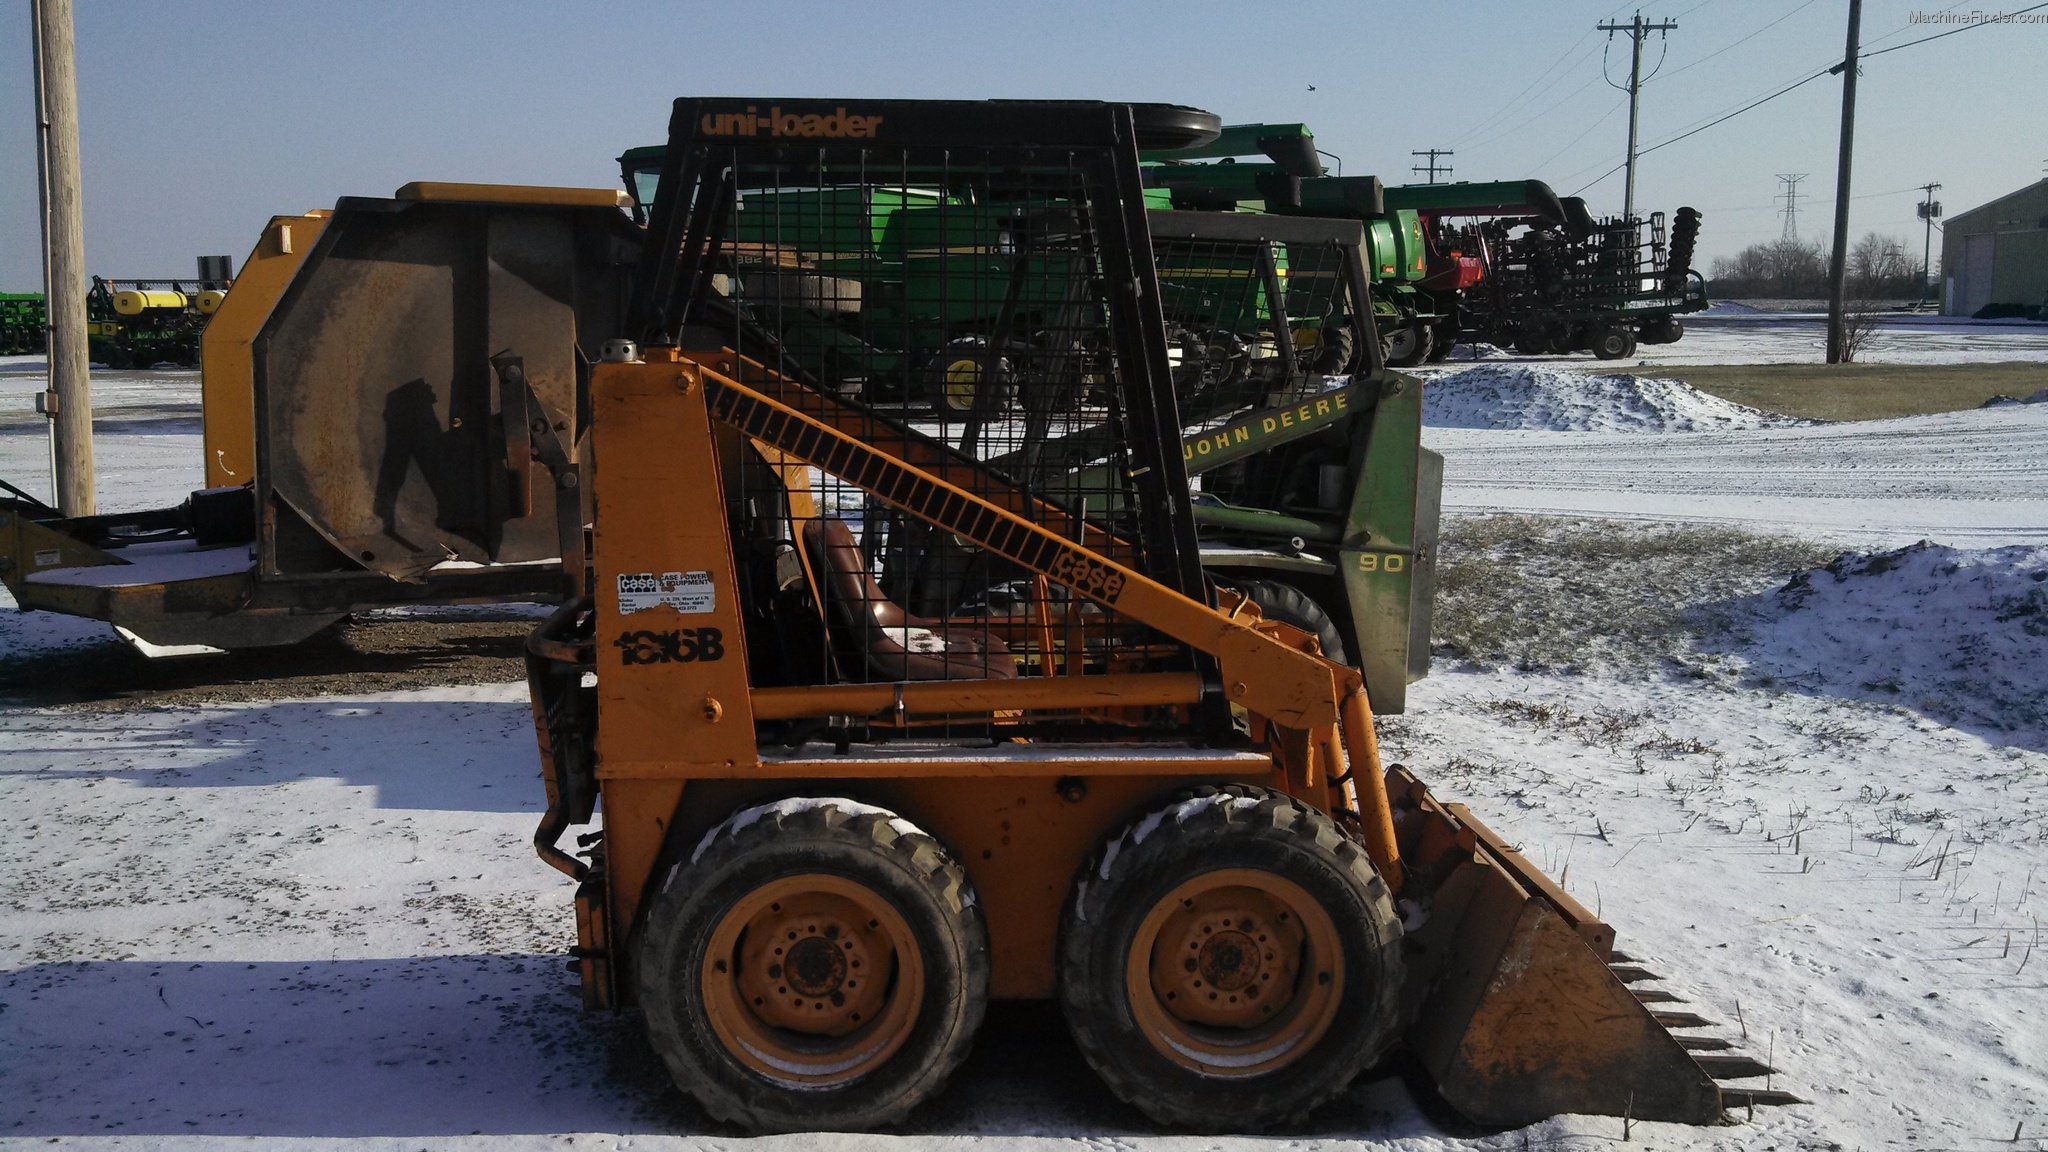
x,y
898,645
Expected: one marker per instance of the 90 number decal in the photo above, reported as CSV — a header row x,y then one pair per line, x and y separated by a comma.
x,y
1382,562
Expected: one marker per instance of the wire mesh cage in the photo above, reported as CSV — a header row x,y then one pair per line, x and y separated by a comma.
x,y
970,322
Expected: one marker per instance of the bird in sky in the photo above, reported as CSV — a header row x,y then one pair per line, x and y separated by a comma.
x,y
1311,87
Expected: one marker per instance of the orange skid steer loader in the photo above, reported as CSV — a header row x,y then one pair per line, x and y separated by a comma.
x,y
833,829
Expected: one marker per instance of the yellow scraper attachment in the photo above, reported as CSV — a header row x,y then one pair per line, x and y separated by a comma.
x,y
1520,1007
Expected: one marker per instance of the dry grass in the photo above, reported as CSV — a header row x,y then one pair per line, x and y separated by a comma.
x,y
1861,391
1540,593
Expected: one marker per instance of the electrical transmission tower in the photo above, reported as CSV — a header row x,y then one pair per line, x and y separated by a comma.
x,y
1432,168
1791,210
1636,29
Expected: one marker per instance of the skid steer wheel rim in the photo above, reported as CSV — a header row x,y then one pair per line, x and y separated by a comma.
x,y
813,981
1235,973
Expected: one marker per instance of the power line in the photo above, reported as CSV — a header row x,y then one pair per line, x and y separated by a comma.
x,y
1599,121
1745,39
1971,27
1828,71
1514,103
1709,124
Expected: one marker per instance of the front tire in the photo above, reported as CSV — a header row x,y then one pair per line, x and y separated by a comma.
x,y
1290,605
1230,961
817,964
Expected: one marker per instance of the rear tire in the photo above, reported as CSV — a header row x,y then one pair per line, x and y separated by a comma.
x,y
805,1039
965,374
1409,345
1290,605
1290,982
1529,338
1613,342
1332,354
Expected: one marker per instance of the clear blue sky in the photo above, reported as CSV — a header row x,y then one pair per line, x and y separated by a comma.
x,y
202,119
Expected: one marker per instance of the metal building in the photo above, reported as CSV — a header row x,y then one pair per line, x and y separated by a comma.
x,y
1997,253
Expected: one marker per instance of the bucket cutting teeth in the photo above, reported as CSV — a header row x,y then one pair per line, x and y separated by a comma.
x,y
1750,1097
1733,1067
1524,1009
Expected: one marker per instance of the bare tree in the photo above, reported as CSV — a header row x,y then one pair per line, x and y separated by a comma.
x,y
1778,268
1879,269
1860,322
1879,266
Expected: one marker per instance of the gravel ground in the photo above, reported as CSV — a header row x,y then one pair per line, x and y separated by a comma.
x,y
378,652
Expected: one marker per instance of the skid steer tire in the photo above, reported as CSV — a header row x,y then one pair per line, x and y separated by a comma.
x,y
1290,605
1184,873
858,890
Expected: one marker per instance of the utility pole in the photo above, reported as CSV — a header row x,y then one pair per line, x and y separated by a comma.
x,y
1838,265
68,398
1636,30
1930,210
1432,168
1791,194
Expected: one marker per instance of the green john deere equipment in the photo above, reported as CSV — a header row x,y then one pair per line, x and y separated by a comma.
x,y
1289,179
24,323
1549,277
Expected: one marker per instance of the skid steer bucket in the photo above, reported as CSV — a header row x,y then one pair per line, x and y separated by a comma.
x,y
1520,1006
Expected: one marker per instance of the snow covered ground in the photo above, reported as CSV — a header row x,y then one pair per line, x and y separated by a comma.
x,y
320,923
1553,442
145,434
1732,337
322,920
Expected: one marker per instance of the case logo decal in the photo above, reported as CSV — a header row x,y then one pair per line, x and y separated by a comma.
x,y
690,593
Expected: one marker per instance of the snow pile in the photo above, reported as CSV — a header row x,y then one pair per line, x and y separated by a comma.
x,y
1526,396
2039,396
1477,351
1958,635
1731,308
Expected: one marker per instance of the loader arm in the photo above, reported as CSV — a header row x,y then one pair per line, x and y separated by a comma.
x,y
1261,673
1295,689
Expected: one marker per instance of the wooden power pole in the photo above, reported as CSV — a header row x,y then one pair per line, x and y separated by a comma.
x,y
1636,29
1838,264
68,401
